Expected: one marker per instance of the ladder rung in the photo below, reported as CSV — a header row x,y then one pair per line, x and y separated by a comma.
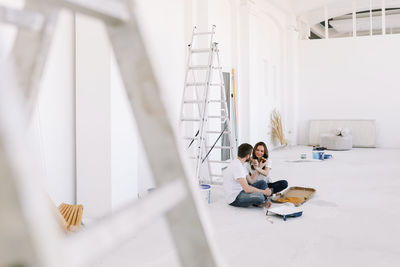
x,y
217,132
203,67
190,119
196,84
203,33
202,101
220,147
219,161
217,117
219,182
201,50
191,138
199,67
192,101
204,84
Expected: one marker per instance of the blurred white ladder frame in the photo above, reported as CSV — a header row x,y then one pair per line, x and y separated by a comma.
x,y
202,137
29,231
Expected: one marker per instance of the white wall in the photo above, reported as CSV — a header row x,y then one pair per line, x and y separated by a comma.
x,y
266,40
351,78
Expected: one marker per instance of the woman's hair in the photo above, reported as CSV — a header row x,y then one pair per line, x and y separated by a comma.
x,y
265,151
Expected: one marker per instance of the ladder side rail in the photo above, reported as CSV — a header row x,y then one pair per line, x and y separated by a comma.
x,y
211,171
186,76
200,112
231,140
184,91
194,75
197,97
211,66
29,223
29,61
204,120
31,20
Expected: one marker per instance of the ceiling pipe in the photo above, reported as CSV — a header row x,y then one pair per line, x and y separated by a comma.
x,y
318,30
326,23
383,18
354,19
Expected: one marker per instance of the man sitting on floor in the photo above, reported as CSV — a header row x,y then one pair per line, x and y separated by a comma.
x,y
238,192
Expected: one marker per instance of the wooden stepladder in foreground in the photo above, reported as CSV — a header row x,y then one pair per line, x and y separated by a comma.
x,y
29,232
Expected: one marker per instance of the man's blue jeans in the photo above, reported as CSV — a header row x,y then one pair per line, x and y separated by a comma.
x,y
254,199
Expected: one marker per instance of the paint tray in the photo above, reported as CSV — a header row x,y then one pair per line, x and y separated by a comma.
x,y
303,193
285,211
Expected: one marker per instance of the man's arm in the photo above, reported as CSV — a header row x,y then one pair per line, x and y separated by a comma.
x,y
251,189
251,178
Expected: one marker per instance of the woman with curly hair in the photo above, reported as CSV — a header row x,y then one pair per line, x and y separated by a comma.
x,y
259,168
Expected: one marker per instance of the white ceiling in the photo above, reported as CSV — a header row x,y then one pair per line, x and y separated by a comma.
x,y
312,11
304,6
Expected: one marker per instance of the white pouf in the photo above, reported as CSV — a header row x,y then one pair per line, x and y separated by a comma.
x,y
334,142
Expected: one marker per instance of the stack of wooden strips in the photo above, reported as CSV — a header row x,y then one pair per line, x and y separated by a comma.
x,y
71,216
276,124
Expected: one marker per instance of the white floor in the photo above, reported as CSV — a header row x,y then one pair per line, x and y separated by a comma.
x,y
352,220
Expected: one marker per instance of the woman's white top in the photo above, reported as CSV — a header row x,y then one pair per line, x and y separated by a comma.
x,y
260,176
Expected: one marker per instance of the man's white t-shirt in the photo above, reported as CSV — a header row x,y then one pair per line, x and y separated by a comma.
x,y
232,186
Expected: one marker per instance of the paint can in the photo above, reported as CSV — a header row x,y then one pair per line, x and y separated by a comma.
x,y
318,154
206,192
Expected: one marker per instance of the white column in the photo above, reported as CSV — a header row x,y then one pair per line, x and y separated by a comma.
x,y
243,74
93,117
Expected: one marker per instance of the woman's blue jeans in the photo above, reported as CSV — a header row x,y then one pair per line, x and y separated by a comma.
x,y
254,199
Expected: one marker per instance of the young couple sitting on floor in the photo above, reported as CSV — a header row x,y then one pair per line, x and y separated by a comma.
x,y
246,180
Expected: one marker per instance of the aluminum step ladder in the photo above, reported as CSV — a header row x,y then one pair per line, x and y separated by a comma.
x,y
29,231
204,116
